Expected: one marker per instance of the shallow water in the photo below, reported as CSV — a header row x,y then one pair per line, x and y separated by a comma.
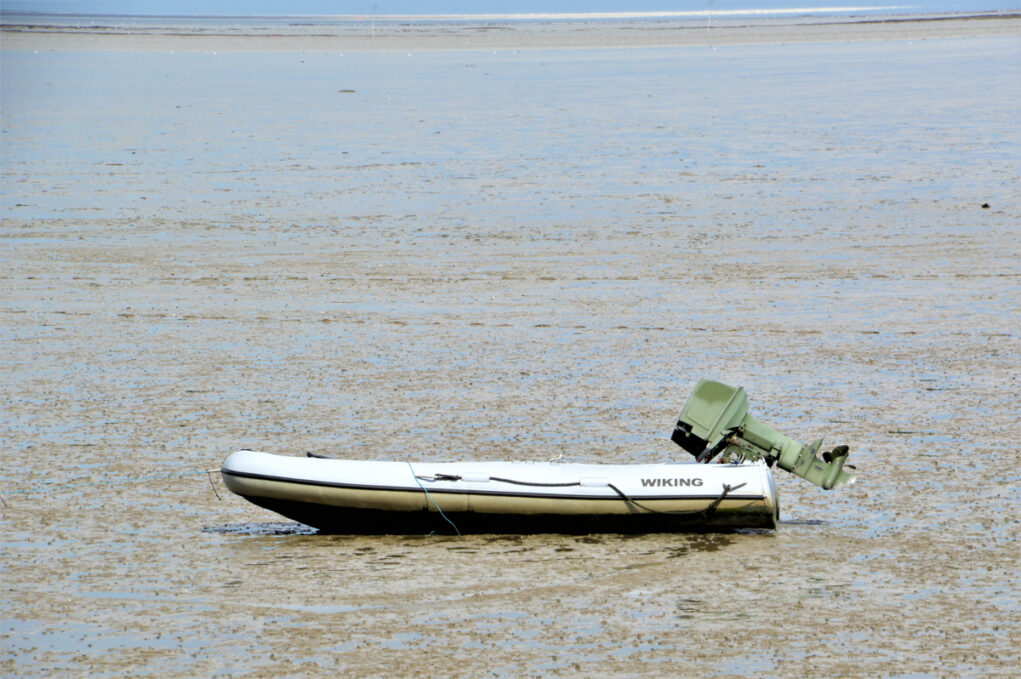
x,y
508,256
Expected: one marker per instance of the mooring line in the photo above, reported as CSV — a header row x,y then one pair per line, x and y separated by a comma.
x,y
110,482
209,475
419,482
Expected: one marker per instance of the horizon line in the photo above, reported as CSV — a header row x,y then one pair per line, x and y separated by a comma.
x,y
665,14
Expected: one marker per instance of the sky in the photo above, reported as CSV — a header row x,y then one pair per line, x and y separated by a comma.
x,y
384,7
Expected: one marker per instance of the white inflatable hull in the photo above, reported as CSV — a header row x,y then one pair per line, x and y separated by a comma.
x,y
350,496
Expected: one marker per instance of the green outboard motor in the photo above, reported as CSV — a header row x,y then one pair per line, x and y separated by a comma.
x,y
715,421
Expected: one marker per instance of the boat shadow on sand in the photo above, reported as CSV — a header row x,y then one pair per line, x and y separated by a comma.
x,y
695,540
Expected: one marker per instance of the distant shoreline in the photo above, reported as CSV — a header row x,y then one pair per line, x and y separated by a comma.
x,y
502,16
284,34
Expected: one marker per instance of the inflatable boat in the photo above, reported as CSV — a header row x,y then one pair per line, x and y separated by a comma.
x,y
352,496
730,484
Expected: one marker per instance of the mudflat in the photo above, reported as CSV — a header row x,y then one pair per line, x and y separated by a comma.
x,y
306,244
496,33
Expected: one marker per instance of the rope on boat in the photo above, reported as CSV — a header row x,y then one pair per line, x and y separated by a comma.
x,y
419,482
456,477
708,511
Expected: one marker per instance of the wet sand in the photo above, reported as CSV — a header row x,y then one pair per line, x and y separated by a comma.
x,y
465,255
